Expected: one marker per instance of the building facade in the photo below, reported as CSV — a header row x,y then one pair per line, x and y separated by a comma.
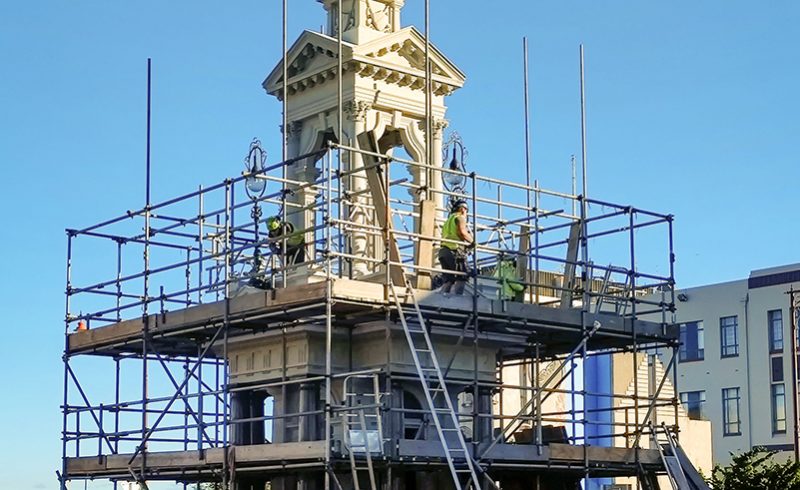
x,y
735,360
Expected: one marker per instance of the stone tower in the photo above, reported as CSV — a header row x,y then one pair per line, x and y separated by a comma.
x,y
383,93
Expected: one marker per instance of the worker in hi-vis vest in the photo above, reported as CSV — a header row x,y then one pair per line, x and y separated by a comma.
x,y
453,255
295,244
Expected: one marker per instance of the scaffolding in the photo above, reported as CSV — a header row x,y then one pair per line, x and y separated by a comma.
x,y
178,299
197,352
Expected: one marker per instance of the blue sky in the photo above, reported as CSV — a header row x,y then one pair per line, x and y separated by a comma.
x,y
692,109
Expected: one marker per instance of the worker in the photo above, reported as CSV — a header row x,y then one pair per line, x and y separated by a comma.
x,y
506,275
295,244
453,255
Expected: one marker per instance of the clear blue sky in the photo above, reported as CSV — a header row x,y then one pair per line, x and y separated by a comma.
x,y
692,110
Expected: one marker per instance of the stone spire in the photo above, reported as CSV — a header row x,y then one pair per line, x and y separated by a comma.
x,y
364,20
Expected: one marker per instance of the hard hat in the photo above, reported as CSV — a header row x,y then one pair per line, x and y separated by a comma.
x,y
273,223
458,204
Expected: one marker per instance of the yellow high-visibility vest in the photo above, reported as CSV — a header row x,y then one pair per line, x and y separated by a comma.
x,y
450,232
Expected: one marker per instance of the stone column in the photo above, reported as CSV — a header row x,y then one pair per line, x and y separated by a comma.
x,y
257,435
437,186
308,403
483,432
302,171
278,408
356,112
240,409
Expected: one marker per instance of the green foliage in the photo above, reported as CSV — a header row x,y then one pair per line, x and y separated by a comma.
x,y
756,470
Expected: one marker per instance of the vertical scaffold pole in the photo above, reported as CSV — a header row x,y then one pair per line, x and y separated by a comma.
x,y
116,409
116,406
675,346
117,359
186,407
146,292
217,391
428,106
284,139
583,129
228,478
118,283
328,324
537,197
528,172
340,119
632,299
200,407
476,426
200,222
339,74
585,285
65,402
795,395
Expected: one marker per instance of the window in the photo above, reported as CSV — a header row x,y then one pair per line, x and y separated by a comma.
x,y
775,326
778,392
731,425
691,342
729,336
693,402
776,369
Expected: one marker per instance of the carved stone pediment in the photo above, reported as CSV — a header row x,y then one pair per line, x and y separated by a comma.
x,y
312,60
400,58
397,58
406,48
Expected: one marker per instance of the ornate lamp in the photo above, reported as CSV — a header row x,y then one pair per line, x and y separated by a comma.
x,y
255,187
454,180
254,165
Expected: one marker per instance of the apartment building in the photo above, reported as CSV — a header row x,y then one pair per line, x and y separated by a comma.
x,y
735,361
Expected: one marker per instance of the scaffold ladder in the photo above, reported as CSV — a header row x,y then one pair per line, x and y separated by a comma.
x,y
445,419
669,457
355,421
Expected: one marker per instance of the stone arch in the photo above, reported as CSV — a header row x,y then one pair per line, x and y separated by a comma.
x,y
413,422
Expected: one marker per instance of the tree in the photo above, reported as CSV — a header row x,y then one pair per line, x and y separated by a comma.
x,y
756,470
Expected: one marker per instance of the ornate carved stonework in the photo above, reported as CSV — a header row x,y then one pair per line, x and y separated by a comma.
x,y
357,110
376,15
293,129
379,16
437,126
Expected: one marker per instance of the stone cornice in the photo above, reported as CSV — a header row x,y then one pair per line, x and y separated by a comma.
x,y
365,68
369,64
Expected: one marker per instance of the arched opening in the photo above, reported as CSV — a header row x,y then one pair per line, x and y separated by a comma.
x,y
405,189
413,417
466,408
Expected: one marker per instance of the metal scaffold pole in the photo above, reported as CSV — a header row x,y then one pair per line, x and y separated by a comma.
x,y
284,131
529,174
65,400
146,292
428,106
228,475
328,322
585,273
794,304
